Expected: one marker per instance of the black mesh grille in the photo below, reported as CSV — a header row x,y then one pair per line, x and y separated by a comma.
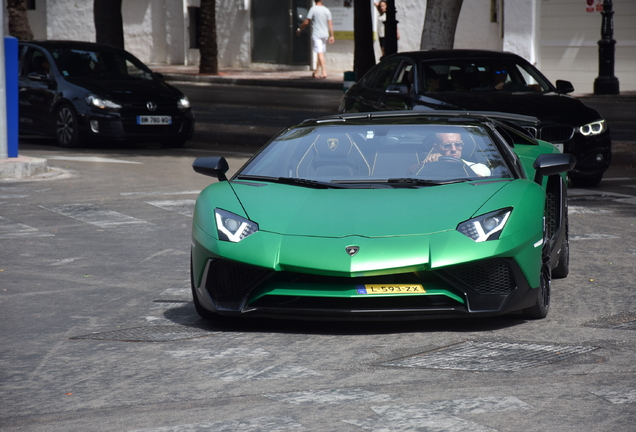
x,y
486,277
229,281
556,133
551,216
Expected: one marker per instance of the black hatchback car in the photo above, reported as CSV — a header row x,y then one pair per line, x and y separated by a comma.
x,y
79,92
488,81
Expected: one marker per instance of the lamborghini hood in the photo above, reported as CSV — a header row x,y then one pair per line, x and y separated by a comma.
x,y
295,210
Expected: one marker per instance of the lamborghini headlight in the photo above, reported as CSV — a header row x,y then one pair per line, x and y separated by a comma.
x,y
485,227
593,128
233,228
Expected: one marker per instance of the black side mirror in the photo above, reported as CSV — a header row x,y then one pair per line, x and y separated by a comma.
x,y
401,89
551,164
564,87
215,166
39,76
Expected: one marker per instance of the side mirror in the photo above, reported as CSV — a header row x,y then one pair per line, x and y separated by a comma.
x,y
211,166
551,164
397,89
39,76
564,87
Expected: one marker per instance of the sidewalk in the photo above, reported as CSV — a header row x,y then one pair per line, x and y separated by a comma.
x,y
255,77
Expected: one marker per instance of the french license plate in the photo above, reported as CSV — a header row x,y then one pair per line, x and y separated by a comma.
x,y
390,289
559,147
154,120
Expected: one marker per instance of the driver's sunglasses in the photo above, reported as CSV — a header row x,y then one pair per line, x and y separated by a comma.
x,y
447,146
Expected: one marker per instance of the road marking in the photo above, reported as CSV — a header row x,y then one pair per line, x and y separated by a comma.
x,y
92,214
438,415
184,207
160,193
593,237
617,397
586,210
259,424
64,261
331,396
208,354
9,229
91,159
270,372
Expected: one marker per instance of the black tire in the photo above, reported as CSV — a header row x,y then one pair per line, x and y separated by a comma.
x,y
586,180
542,306
66,126
203,312
563,268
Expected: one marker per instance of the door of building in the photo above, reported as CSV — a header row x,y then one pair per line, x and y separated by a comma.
x,y
274,24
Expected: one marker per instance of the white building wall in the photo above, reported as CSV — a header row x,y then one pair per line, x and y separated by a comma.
x,y
475,29
569,43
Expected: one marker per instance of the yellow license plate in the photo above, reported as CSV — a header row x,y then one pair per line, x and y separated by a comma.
x,y
390,289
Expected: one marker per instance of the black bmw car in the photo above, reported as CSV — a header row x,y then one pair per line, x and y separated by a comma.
x,y
488,81
80,92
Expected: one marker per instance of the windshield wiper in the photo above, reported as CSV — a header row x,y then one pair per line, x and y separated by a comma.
x,y
293,181
402,182
410,181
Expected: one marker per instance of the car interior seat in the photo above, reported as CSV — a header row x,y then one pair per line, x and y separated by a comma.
x,y
333,155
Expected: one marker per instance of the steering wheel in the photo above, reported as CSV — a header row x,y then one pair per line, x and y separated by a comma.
x,y
449,159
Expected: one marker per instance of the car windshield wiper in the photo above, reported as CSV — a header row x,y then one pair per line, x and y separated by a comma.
x,y
293,181
403,182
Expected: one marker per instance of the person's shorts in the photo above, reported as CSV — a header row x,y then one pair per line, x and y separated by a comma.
x,y
320,44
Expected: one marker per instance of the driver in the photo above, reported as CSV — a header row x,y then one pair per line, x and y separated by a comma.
x,y
451,145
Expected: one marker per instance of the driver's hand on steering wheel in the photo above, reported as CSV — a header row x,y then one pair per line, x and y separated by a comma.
x,y
432,157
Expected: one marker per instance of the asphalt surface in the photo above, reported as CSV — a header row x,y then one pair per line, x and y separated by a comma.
x,y
99,332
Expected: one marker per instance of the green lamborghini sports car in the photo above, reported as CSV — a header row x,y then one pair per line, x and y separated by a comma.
x,y
372,216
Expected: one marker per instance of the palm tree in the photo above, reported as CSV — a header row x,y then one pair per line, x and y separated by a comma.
x,y
19,20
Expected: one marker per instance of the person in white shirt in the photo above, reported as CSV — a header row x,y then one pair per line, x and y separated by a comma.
x,y
451,145
321,33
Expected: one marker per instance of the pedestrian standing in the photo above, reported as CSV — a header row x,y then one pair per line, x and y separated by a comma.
x,y
319,17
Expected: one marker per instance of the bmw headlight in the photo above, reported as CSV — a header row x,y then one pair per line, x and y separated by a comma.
x,y
485,227
233,228
183,103
593,128
98,102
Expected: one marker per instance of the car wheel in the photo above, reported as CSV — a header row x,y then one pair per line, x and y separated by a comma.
x,y
541,307
66,126
563,268
586,180
203,312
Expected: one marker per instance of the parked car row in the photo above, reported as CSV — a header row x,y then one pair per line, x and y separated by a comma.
x,y
79,92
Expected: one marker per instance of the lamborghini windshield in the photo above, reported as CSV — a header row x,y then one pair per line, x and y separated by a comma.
x,y
380,153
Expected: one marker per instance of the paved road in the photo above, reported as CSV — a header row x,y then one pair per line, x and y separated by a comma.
x,y
99,332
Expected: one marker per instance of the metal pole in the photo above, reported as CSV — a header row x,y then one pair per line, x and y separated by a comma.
x,y
390,29
4,148
606,82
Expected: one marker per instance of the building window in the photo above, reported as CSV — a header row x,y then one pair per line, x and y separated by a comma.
x,y
30,4
194,26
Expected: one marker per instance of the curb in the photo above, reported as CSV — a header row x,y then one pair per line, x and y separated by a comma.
x,y
281,82
21,167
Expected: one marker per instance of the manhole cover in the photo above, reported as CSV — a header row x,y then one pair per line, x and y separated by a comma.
x,y
155,333
491,356
622,321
